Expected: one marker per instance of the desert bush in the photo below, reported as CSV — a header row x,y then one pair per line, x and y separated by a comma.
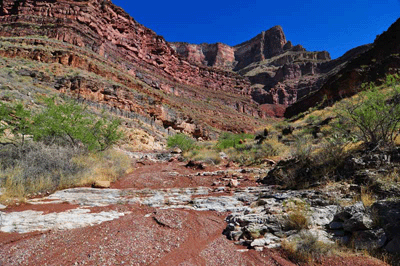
x,y
251,154
367,197
36,167
298,212
306,248
209,156
373,115
297,220
310,165
70,123
230,140
108,165
181,141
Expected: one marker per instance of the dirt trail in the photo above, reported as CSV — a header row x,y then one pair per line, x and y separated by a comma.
x,y
143,235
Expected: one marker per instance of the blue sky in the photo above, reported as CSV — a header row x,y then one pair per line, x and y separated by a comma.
x,y
335,26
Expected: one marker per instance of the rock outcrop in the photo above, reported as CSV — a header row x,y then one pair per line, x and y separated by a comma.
x,y
216,55
266,45
124,46
279,72
371,64
109,31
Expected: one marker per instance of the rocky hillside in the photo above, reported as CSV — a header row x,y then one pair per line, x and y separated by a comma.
x,y
280,73
146,76
373,63
198,89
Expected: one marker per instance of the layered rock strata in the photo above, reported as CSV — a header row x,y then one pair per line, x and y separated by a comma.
x,y
279,72
127,47
368,63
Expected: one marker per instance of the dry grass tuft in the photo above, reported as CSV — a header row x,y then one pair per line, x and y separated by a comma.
x,y
306,249
107,166
38,169
367,197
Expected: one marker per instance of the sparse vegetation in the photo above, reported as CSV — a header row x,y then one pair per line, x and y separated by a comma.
x,y
297,218
181,141
373,116
306,248
231,140
41,149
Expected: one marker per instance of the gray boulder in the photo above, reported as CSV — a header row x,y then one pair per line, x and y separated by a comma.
x,y
357,222
352,218
369,239
393,246
322,216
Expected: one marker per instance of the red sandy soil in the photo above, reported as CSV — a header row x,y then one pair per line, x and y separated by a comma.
x,y
45,208
145,236
158,175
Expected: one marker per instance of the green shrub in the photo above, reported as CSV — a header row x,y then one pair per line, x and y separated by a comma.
x,y
17,120
373,116
66,123
231,140
181,141
70,123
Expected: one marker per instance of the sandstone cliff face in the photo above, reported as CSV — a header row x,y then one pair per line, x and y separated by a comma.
x,y
368,63
264,46
216,55
280,73
99,26
109,31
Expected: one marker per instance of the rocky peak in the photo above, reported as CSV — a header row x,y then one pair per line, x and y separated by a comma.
x,y
279,71
264,46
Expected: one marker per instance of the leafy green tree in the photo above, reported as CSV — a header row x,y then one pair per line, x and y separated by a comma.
x,y
17,120
106,133
373,116
181,141
68,121
72,123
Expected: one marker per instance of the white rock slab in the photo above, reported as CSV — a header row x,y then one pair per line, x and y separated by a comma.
x,y
31,221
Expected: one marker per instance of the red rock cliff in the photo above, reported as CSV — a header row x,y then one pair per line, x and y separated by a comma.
x,y
101,27
280,73
368,63
106,29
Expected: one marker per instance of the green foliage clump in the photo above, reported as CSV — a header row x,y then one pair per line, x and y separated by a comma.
x,y
40,148
181,141
17,121
65,123
72,123
373,116
231,140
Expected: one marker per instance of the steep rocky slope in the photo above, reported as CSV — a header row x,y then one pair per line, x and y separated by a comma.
x,y
280,73
100,38
373,63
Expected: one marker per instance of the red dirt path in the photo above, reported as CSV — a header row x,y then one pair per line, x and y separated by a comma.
x,y
146,236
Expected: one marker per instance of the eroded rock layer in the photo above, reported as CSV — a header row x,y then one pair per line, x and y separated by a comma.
x,y
372,64
280,73
99,26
